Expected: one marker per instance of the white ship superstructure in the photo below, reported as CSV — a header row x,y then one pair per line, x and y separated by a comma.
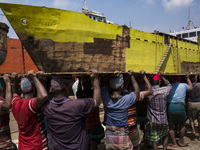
x,y
191,32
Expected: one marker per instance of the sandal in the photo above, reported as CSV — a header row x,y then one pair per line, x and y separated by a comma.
x,y
173,145
183,143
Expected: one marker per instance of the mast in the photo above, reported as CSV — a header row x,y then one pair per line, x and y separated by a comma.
x,y
190,23
85,6
189,15
85,9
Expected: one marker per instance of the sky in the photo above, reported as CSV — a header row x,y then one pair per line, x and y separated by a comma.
x,y
144,15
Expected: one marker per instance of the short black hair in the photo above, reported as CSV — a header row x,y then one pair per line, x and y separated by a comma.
x,y
59,91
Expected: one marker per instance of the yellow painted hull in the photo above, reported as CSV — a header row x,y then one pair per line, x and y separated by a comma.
x,y
60,34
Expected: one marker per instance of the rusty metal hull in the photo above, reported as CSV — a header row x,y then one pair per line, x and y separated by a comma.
x,y
104,55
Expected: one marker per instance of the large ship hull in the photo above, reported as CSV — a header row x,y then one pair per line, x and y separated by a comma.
x,y
63,41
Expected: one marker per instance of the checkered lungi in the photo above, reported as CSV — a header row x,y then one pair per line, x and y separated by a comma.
x,y
135,137
155,132
117,138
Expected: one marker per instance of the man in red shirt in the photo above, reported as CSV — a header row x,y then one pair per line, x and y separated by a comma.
x,y
32,131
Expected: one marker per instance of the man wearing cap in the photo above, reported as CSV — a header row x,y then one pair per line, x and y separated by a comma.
x,y
176,108
32,132
5,105
157,126
66,117
116,110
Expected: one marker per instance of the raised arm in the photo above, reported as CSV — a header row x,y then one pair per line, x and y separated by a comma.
x,y
15,87
8,95
189,82
42,78
134,82
96,88
42,95
165,81
167,84
148,85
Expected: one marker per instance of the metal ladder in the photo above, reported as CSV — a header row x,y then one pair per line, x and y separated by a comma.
x,y
163,59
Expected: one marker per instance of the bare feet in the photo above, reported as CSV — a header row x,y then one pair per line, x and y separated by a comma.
x,y
182,143
173,145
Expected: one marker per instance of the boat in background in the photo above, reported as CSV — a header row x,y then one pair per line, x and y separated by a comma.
x,y
190,32
62,41
93,14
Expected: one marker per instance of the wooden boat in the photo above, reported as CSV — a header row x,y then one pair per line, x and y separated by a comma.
x,y
62,41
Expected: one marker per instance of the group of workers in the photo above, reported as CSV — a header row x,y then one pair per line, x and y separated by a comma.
x,y
48,118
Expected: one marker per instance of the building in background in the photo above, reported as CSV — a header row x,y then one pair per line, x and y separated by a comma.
x,y
14,61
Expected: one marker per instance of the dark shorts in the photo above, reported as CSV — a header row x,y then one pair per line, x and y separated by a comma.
x,y
176,114
96,134
194,111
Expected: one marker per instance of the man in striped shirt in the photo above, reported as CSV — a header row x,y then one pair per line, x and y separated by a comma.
x,y
134,131
5,105
32,131
157,127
